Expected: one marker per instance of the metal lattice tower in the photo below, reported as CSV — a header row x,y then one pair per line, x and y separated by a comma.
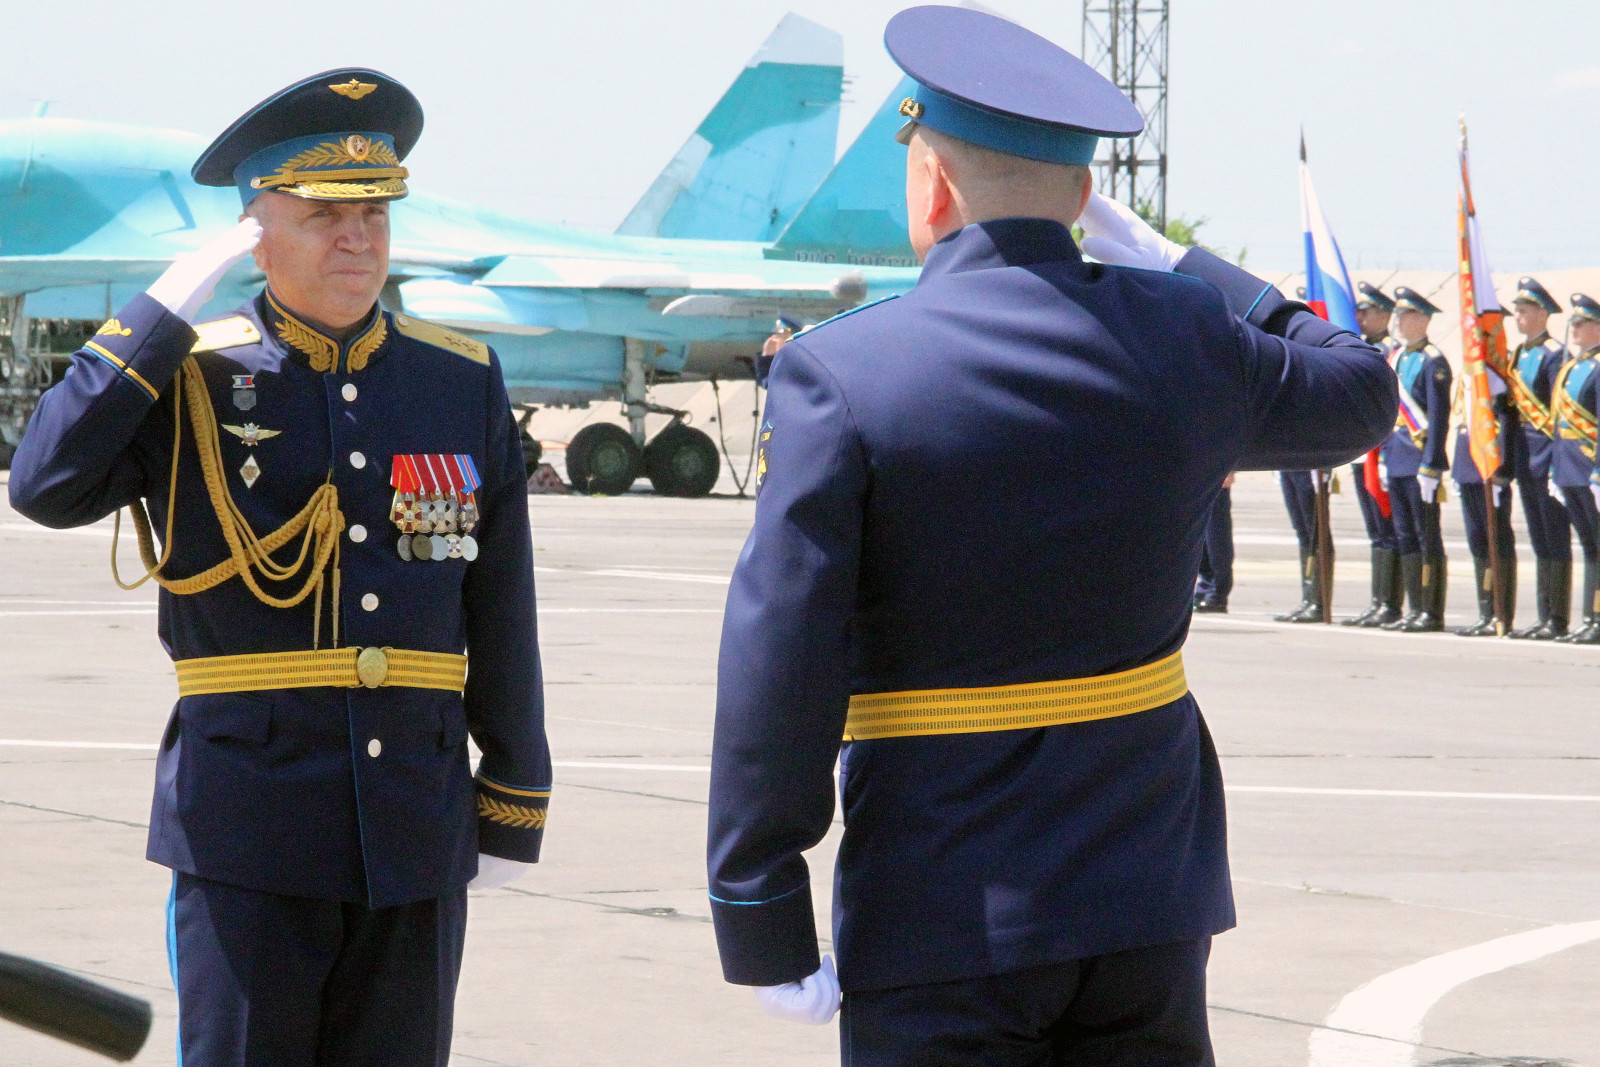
x,y
1126,40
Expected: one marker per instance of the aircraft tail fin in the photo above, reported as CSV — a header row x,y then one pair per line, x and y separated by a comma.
x,y
858,213
745,172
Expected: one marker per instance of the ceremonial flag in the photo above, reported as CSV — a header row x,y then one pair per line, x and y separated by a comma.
x,y
1328,288
1483,332
1330,294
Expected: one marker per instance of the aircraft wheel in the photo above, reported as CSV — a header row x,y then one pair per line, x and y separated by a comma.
x,y
682,461
602,459
532,452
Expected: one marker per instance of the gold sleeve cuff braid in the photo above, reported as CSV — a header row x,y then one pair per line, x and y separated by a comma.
x,y
516,809
922,712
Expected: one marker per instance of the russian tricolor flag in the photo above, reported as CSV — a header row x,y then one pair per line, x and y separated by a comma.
x,y
1328,288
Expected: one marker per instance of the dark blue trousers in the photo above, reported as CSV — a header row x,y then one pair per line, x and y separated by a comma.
x,y
1380,527
1216,554
1300,497
273,981
1585,520
1141,1008
1416,525
1549,531
1477,522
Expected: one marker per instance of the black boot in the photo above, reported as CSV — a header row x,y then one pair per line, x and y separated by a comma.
x,y
1539,631
1590,634
1308,611
1560,599
1211,605
1380,586
1411,581
1485,626
1508,580
1394,593
1433,576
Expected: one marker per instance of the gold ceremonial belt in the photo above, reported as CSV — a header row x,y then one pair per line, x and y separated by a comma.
x,y
347,668
1016,707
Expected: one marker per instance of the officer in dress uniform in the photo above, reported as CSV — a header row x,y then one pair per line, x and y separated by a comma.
x,y
339,495
1531,376
1373,311
1474,507
1572,467
1013,887
1215,583
1415,458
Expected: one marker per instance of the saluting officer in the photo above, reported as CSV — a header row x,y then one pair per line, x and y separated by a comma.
x,y
1474,506
1033,859
1572,467
1373,311
1415,458
343,522
1531,377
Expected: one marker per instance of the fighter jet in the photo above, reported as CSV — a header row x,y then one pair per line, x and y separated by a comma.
x,y
750,221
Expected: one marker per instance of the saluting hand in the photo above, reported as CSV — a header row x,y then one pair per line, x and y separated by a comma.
x,y
1113,233
193,276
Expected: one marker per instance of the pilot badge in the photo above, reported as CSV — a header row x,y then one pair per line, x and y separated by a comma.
x,y
244,391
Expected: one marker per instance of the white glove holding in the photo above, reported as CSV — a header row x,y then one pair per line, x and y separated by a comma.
x,y
193,276
1114,234
812,1000
1430,487
494,872
1500,492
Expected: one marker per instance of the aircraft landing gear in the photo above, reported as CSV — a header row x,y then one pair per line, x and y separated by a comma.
x,y
602,459
682,461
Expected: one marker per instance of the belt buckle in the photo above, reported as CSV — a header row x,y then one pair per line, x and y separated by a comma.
x,y
372,667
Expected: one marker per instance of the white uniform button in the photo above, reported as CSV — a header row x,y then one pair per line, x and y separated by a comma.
x,y
357,460
374,748
348,392
358,533
370,602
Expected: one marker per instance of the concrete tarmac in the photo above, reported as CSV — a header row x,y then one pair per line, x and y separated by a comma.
x,y
1392,799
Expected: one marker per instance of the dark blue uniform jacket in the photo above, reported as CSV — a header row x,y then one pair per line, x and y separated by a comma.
x,y
1572,462
1424,373
276,791
1537,366
1509,432
1002,477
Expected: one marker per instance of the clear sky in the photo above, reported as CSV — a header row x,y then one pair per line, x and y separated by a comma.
x,y
566,111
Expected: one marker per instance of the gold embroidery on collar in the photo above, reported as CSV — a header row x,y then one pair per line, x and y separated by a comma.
x,y
367,344
320,350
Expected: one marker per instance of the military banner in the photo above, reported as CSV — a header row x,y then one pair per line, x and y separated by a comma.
x,y
1483,334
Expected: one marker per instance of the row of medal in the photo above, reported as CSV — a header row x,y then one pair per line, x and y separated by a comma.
x,y
435,507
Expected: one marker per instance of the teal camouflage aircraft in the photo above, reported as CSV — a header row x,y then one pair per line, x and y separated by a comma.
x,y
752,219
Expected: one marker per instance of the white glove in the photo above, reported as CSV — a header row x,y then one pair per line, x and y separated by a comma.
x,y
1500,492
1595,489
494,872
1555,492
812,1000
1430,488
193,276
1114,234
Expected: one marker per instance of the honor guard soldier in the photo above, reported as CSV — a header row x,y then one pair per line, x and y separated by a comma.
x,y
1572,466
1033,860
1474,508
1215,583
1300,500
340,499
1531,377
1415,458
1373,311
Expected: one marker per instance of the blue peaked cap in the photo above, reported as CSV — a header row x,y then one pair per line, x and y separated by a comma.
x,y
988,81
1530,291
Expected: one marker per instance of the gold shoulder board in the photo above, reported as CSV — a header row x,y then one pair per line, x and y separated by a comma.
x,y
225,333
430,334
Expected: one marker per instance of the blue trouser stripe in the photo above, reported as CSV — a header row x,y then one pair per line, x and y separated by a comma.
x,y
172,955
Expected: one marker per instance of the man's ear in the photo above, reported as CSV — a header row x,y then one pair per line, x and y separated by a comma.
x,y
941,198
1086,192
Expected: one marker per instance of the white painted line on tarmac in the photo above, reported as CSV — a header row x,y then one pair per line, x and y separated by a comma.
x,y
630,611
80,611
1421,794
98,530
1389,1010
127,746
586,765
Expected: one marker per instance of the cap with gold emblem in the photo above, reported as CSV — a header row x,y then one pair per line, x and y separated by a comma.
x,y
339,135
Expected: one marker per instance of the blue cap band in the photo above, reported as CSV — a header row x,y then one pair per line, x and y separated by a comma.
x,y
351,165
1046,143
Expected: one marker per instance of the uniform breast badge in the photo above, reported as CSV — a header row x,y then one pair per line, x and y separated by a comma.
x,y
251,435
244,391
435,506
